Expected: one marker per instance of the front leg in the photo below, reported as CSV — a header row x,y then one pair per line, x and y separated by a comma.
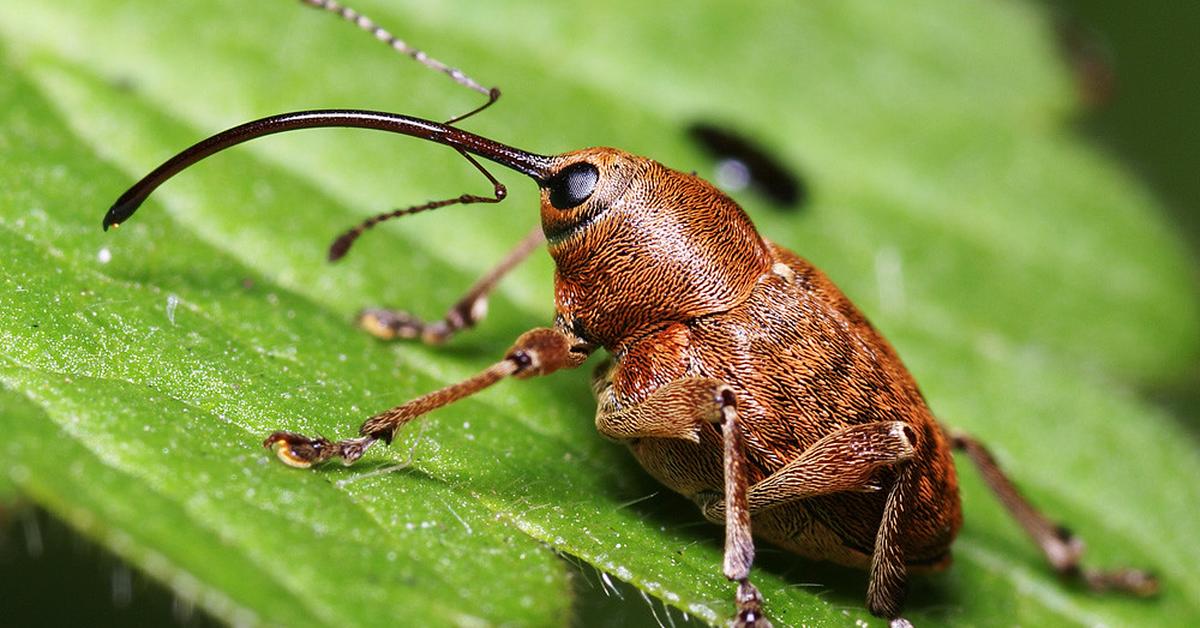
x,y
739,545
679,410
537,352
676,410
469,310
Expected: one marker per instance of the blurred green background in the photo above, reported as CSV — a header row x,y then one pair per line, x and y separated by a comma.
x,y
1145,79
1152,120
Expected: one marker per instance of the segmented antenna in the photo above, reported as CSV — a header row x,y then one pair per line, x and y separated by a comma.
x,y
342,244
365,23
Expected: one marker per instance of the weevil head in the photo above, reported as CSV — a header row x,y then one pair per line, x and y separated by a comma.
x,y
637,244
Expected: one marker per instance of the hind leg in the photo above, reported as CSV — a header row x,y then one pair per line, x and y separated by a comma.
x,y
1061,548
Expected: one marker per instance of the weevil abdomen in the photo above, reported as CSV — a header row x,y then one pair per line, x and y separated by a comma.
x,y
803,363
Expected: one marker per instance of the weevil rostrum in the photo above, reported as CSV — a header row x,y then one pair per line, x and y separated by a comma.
x,y
738,374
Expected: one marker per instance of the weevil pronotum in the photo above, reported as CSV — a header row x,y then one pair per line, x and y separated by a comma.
x,y
738,374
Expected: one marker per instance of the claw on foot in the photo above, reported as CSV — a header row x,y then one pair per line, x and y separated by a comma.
x,y
750,603
392,324
297,451
1133,582
302,452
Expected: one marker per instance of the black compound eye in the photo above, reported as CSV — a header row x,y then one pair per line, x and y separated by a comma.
x,y
572,185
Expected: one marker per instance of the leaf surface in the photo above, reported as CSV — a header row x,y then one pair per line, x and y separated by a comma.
x,y
1025,277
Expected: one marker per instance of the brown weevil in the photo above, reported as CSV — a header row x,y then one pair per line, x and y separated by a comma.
x,y
738,374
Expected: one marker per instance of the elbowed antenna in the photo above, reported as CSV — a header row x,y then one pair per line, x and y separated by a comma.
x,y
533,165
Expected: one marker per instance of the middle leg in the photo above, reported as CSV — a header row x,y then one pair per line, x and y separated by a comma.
x,y
848,460
844,461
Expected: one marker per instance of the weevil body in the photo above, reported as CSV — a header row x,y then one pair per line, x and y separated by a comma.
x,y
738,374
669,276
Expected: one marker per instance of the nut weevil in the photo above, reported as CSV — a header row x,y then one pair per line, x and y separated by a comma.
x,y
738,374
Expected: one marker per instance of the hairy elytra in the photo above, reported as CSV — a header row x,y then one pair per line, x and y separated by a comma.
x,y
737,373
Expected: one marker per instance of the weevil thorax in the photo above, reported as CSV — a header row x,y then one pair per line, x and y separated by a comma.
x,y
638,245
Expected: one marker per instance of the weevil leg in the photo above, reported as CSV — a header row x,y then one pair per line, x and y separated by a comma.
x,y
846,460
469,310
885,588
739,545
1061,548
536,352
677,409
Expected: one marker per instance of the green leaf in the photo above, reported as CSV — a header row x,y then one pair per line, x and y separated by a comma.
x,y
1026,279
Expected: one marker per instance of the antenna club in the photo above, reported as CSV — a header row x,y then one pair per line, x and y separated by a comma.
x,y
341,245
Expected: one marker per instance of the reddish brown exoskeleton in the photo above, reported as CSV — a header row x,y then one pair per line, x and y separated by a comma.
x,y
739,375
